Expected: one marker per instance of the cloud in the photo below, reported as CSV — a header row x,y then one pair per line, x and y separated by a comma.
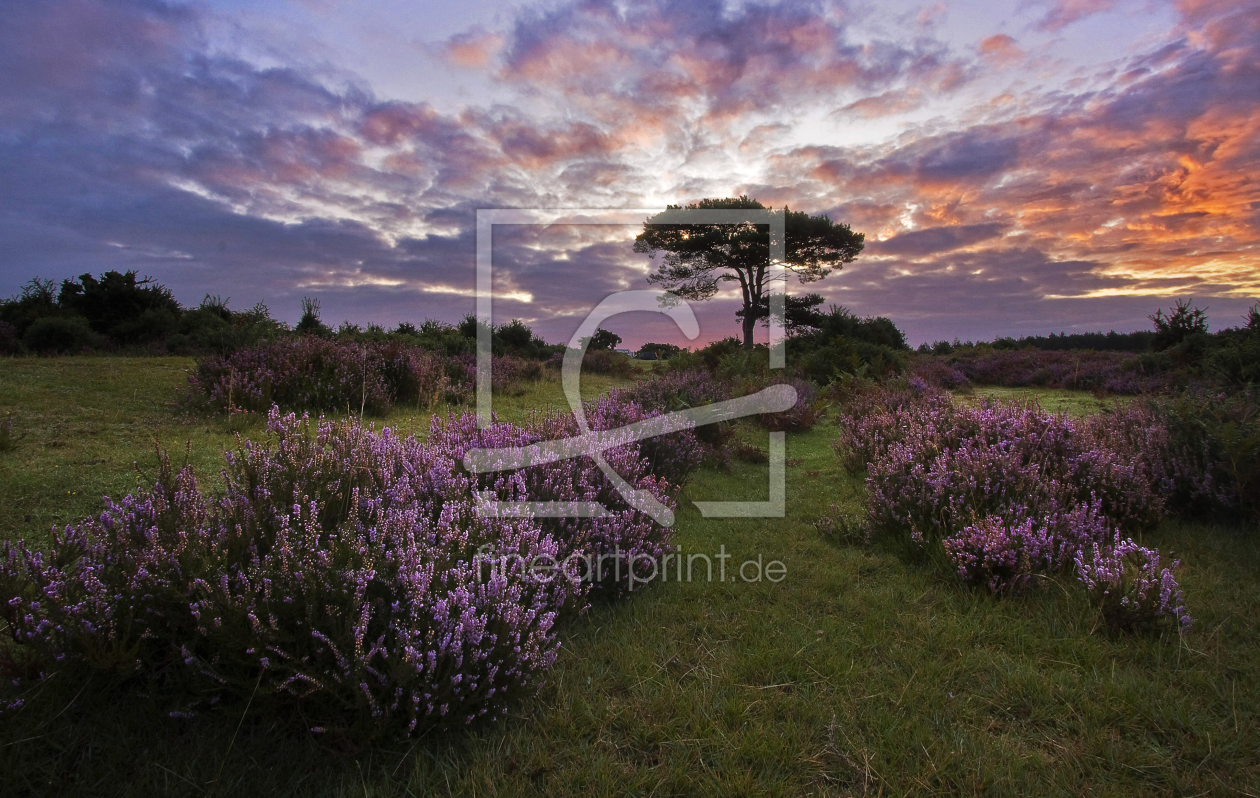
x,y
1062,13
936,239
1000,49
136,144
474,49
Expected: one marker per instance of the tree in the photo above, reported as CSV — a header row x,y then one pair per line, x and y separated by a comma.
x,y
801,314
700,257
127,309
603,339
653,351
310,323
1183,320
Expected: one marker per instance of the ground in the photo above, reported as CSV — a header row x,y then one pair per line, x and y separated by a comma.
x,y
861,672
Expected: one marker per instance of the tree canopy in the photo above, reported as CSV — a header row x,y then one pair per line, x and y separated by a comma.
x,y
698,258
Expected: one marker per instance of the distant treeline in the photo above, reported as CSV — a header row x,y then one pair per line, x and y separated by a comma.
x,y
1137,341
1180,350
122,312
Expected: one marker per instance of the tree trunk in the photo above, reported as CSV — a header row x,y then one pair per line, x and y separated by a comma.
x,y
750,324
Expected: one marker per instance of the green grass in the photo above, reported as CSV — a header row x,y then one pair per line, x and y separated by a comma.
x,y
1054,400
862,672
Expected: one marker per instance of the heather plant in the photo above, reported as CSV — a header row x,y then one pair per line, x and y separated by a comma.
x,y
1217,434
1100,371
606,546
311,373
682,389
603,361
1004,491
344,570
802,415
1127,583
509,376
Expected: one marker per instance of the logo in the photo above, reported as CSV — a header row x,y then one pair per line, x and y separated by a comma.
x,y
593,443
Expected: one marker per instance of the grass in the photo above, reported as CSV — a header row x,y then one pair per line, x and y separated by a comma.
x,y
862,672
1054,400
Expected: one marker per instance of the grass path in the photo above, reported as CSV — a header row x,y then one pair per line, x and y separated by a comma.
x,y
862,672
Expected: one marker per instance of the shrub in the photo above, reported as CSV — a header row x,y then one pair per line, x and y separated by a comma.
x,y
314,374
803,415
1007,491
604,361
1126,581
127,309
1218,433
340,569
9,339
60,335
673,390
1102,372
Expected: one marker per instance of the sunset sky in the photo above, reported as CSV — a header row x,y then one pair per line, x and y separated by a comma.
x,y
1017,167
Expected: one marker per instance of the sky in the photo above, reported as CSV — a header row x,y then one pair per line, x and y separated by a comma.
x,y
1017,168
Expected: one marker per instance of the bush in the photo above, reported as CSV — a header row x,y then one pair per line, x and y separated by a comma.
x,y
1217,435
1125,580
9,339
658,465
803,415
128,310
339,570
672,390
60,335
604,361
1005,491
1102,372
314,374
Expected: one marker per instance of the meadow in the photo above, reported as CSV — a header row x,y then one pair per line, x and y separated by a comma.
x,y
864,671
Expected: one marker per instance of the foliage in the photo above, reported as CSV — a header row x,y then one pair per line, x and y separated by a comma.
x,y
1220,433
310,323
1006,491
803,414
677,389
1125,580
1102,372
339,570
603,340
315,374
54,335
653,351
606,361
345,569
118,305
699,257
1181,322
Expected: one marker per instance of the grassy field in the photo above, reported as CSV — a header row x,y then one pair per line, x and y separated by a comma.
x,y
861,672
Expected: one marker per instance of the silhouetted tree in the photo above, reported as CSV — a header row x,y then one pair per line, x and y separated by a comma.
x,y
699,257
1182,321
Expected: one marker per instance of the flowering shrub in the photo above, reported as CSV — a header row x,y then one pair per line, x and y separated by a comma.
x,y
935,371
315,374
803,415
508,375
342,567
1005,491
657,465
682,389
1126,581
1089,370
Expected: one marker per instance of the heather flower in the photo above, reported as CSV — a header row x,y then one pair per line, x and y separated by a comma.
x,y
1126,580
1008,491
